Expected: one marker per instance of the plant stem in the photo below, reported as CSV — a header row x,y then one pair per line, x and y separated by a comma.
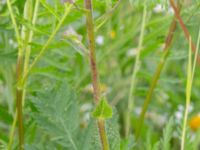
x,y
150,92
27,38
27,35
184,28
188,95
12,131
44,48
190,77
134,74
94,72
104,140
156,75
19,91
27,47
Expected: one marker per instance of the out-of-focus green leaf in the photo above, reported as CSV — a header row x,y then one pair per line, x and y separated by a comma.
x,y
103,110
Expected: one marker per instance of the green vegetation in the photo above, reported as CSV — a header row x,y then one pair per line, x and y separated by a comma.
x,y
99,75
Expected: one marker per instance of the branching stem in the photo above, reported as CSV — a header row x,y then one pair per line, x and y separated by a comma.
x,y
19,91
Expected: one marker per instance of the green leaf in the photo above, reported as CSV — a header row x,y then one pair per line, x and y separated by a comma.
x,y
103,110
50,9
57,113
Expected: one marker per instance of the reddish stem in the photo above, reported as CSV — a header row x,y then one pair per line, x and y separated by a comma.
x,y
184,28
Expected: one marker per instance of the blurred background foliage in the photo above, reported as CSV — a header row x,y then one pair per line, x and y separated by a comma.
x,y
117,35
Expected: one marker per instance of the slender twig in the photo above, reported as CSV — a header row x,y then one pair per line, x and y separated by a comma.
x,y
156,75
18,76
94,72
134,74
44,48
184,28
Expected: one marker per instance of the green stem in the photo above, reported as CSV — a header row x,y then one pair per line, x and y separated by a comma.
x,y
18,76
12,131
27,48
190,77
150,92
15,25
156,75
134,74
94,72
102,131
44,48
188,95
27,39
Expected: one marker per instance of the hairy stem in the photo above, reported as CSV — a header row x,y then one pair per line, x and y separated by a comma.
x,y
94,72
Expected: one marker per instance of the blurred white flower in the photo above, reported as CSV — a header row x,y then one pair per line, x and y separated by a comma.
x,y
158,8
180,108
191,107
170,11
100,40
3,2
156,118
132,52
14,44
70,32
121,27
178,115
86,117
86,107
137,110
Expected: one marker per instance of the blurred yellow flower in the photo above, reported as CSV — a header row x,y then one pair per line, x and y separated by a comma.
x,y
195,122
112,34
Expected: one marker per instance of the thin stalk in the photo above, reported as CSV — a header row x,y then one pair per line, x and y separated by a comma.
x,y
156,75
94,72
196,54
190,76
18,76
26,62
44,48
134,74
28,47
188,95
12,131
